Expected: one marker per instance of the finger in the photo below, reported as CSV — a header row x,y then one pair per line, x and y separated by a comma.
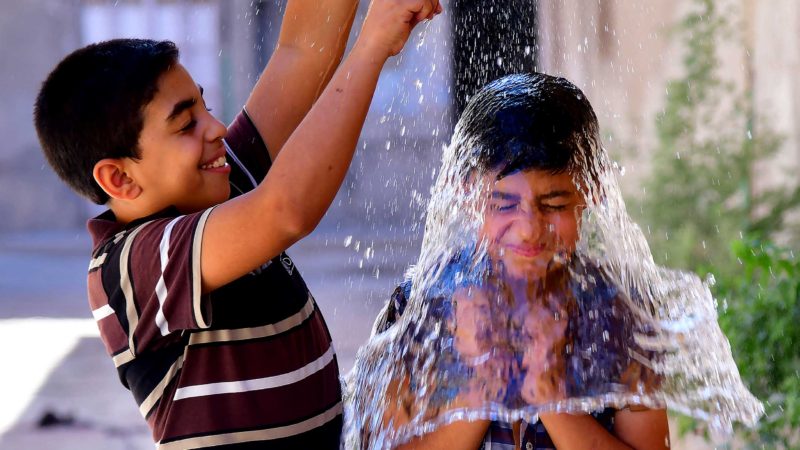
x,y
425,11
437,7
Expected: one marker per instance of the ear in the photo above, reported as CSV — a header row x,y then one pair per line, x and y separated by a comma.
x,y
110,174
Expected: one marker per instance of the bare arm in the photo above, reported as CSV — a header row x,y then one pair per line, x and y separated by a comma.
x,y
245,232
470,316
643,429
310,46
637,430
456,436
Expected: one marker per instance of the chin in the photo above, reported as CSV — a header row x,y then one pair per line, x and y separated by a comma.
x,y
219,196
530,269
527,270
202,203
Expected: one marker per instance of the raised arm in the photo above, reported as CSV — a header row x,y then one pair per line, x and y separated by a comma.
x,y
310,46
243,233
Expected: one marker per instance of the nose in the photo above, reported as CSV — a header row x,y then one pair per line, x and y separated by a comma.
x,y
216,130
529,225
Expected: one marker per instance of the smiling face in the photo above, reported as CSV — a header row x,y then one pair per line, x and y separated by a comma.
x,y
182,157
531,216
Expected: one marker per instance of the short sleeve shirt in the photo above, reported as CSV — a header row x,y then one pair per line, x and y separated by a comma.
x,y
249,365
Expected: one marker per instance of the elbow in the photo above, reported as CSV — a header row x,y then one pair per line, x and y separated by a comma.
x,y
285,212
299,225
302,229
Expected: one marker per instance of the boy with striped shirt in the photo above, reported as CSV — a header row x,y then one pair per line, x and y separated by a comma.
x,y
208,321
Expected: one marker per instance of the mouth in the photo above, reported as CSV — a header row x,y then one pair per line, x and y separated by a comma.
x,y
220,161
526,251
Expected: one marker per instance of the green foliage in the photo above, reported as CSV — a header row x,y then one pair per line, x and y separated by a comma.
x,y
699,204
761,322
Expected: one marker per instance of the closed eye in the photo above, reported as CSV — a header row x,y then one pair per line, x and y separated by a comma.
x,y
554,207
504,206
189,126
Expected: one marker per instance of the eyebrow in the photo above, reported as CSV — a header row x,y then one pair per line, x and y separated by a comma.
x,y
180,107
183,105
553,194
497,195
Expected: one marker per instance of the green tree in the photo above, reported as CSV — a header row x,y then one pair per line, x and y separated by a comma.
x,y
761,312
705,215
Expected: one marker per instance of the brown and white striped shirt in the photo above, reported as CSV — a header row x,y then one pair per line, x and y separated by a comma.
x,y
250,365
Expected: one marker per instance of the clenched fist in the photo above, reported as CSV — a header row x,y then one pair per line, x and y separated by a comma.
x,y
389,23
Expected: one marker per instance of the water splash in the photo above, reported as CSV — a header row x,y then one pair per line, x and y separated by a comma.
x,y
534,291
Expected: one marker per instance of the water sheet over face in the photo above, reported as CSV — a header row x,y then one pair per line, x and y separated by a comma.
x,y
535,292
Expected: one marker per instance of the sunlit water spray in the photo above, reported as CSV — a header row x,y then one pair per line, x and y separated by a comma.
x,y
534,291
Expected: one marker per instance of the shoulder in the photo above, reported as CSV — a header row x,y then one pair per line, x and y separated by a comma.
x,y
394,308
144,244
642,427
247,149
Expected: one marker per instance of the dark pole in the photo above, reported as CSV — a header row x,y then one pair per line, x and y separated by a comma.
x,y
490,39
267,15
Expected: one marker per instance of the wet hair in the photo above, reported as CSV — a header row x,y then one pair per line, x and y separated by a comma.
x,y
529,121
91,106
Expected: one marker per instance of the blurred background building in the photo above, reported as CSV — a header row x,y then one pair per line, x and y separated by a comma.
x,y
622,53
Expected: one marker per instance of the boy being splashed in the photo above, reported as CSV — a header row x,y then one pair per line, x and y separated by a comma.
x,y
535,296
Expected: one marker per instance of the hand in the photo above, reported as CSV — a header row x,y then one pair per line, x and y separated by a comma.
x,y
481,339
543,359
389,23
472,322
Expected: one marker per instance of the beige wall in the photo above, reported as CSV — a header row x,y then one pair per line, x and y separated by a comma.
x,y
621,54
774,33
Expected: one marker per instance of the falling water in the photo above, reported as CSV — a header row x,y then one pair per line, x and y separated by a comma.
x,y
587,322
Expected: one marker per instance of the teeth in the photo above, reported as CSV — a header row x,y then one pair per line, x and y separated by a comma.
x,y
219,162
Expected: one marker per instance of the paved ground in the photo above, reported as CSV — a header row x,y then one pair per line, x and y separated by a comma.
x,y
55,370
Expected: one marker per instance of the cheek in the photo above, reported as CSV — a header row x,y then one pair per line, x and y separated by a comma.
x,y
494,228
565,227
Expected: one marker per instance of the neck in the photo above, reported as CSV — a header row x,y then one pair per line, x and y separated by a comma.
x,y
125,212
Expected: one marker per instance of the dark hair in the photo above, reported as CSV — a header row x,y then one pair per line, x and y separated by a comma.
x,y
91,106
529,121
